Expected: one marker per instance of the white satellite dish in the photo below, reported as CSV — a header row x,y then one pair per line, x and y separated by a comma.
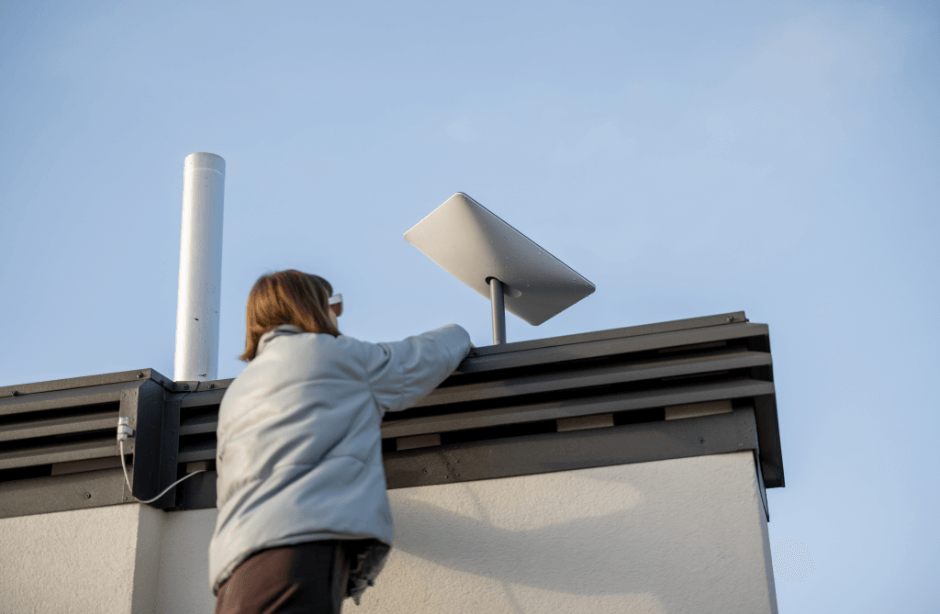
x,y
474,245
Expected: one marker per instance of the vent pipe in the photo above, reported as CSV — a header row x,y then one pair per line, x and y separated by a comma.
x,y
197,308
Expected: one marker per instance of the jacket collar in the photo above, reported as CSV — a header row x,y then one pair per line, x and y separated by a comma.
x,y
283,329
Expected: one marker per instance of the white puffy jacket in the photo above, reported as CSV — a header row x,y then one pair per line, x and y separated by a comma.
x,y
299,453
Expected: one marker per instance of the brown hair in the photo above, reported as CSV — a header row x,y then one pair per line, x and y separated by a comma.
x,y
287,297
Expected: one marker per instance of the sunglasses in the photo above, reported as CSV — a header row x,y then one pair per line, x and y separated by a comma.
x,y
336,304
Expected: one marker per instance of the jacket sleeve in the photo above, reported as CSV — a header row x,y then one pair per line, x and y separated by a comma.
x,y
402,373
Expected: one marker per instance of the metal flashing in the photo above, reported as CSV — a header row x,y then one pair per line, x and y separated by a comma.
x,y
614,333
72,383
605,346
60,493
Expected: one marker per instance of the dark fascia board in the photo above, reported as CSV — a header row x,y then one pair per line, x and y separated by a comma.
x,y
478,359
61,493
612,333
87,381
592,348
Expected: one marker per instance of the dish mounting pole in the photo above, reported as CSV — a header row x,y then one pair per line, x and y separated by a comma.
x,y
499,311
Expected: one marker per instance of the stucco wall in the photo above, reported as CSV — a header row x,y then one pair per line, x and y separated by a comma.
x,y
184,563
96,561
685,535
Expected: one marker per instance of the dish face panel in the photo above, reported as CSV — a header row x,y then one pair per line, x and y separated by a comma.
x,y
471,243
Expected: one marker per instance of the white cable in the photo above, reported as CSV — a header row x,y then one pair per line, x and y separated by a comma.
x,y
126,479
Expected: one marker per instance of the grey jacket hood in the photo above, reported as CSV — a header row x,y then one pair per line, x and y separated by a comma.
x,y
299,453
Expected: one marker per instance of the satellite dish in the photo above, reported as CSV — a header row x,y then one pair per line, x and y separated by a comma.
x,y
474,245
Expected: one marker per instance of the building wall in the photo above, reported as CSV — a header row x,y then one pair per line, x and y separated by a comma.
x,y
96,561
684,535
184,563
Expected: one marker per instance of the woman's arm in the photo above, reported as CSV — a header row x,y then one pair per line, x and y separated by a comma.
x,y
403,373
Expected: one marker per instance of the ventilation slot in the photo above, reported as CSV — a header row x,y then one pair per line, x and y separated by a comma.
x,y
197,433
39,442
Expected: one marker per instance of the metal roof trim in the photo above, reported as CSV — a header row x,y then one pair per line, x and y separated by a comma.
x,y
86,381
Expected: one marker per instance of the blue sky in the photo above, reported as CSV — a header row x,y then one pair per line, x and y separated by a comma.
x,y
688,158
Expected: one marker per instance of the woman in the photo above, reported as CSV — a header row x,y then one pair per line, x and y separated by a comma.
x,y
304,518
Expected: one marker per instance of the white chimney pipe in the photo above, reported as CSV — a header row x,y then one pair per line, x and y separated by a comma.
x,y
197,308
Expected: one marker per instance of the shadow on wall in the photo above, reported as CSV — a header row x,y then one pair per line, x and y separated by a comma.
x,y
683,529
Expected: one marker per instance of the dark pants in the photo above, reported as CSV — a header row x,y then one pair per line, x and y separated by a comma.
x,y
307,578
